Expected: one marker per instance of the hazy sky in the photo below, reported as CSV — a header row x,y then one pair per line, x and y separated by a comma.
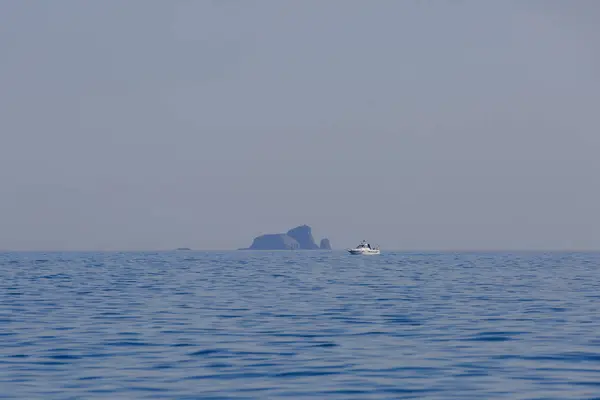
x,y
147,124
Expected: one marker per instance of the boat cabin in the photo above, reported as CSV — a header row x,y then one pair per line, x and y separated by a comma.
x,y
364,244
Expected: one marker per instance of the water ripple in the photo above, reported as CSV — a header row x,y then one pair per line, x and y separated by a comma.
x,y
253,325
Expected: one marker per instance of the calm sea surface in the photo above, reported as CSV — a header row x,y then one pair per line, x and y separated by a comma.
x,y
318,325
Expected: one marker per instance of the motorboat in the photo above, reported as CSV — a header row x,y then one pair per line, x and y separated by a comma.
x,y
364,248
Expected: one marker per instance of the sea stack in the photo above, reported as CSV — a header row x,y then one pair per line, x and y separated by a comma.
x,y
325,245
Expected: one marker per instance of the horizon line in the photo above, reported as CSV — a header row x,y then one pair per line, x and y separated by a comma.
x,y
184,250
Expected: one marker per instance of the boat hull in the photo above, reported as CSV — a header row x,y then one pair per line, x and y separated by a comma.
x,y
365,252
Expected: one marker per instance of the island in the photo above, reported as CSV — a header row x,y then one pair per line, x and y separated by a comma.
x,y
298,238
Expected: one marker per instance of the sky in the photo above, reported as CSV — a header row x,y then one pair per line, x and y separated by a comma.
x,y
417,125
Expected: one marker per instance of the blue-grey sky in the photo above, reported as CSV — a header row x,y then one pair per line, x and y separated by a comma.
x,y
147,124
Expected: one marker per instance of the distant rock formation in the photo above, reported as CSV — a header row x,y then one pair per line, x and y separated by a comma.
x,y
298,238
303,235
325,245
274,241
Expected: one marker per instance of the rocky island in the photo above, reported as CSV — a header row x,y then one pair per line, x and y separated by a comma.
x,y
298,238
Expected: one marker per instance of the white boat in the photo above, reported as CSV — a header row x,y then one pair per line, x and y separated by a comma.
x,y
364,248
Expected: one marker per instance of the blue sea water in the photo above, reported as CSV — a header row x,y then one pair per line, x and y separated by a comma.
x,y
301,325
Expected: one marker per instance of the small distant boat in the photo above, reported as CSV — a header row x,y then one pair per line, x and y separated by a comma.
x,y
364,248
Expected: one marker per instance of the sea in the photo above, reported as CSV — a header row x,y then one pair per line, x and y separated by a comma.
x,y
299,325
